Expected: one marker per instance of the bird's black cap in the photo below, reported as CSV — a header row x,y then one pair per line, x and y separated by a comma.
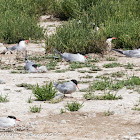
x,y
21,40
34,65
12,117
75,82
109,37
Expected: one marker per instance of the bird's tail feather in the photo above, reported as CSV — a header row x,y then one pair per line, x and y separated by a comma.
x,y
118,51
55,84
57,52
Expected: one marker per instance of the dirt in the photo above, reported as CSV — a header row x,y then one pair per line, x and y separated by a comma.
x,y
89,123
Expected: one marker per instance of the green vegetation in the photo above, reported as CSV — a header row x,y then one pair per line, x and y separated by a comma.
x,y
129,66
117,74
111,65
35,109
74,106
108,83
106,96
115,18
111,59
30,100
19,19
25,85
108,113
3,99
45,92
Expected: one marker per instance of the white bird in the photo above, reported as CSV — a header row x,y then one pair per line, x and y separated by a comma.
x,y
129,53
67,87
21,46
108,41
9,121
30,66
72,57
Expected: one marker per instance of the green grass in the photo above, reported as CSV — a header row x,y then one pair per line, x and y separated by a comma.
x,y
74,106
129,66
116,18
106,96
51,65
25,85
118,74
3,99
45,92
108,113
108,83
35,109
22,16
111,65
111,59
30,100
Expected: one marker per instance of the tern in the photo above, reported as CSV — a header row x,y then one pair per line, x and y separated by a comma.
x,y
9,121
129,53
21,46
67,87
72,57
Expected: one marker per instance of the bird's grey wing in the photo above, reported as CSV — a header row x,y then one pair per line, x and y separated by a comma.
x,y
13,48
132,53
3,120
70,57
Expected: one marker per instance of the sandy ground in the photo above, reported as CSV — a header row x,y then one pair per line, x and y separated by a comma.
x,y
89,123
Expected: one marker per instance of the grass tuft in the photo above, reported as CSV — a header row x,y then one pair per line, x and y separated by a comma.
x,y
74,106
35,109
45,92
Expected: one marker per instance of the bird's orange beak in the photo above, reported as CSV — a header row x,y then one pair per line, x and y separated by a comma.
x,y
26,41
114,38
17,120
77,86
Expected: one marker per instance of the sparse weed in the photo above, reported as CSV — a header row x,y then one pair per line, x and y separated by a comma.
x,y
87,76
3,99
117,74
25,85
62,111
129,66
35,109
30,100
95,68
106,96
74,106
111,59
112,65
108,113
45,92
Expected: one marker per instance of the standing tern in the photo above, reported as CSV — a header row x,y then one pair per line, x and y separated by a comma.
x,y
108,41
67,87
9,121
21,46
72,57
129,53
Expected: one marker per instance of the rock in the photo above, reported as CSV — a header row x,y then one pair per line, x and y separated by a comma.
x,y
2,82
42,69
58,96
63,121
126,137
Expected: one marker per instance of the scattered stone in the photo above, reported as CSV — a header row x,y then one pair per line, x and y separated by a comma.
x,y
42,69
126,137
63,121
2,82
59,96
